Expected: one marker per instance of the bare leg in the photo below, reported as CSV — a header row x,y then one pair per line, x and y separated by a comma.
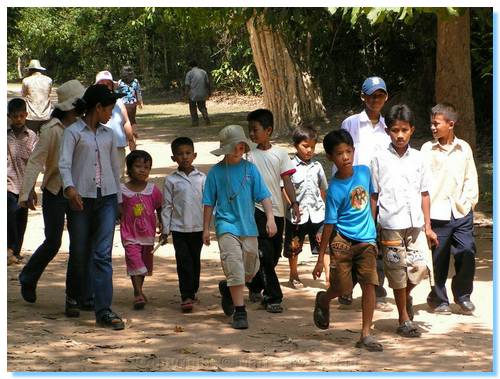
x,y
326,262
368,307
137,282
237,295
293,262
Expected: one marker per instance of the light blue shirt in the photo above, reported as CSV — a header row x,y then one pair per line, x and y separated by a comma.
x,y
233,190
116,123
78,160
348,205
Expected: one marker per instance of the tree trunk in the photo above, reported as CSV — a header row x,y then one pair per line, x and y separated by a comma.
x,y
453,73
289,91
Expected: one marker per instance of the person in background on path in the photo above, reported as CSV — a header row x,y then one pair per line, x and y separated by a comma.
x,y
368,131
20,143
119,122
36,88
141,200
276,169
130,87
310,185
198,89
232,187
55,207
454,194
401,183
90,173
182,214
350,236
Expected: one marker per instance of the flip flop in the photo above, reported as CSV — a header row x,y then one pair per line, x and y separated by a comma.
x,y
408,329
321,316
187,305
369,343
139,302
295,283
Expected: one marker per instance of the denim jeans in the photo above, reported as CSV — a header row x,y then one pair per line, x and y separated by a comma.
x,y
55,207
91,233
17,219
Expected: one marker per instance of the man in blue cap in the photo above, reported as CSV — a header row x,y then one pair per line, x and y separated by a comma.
x,y
368,131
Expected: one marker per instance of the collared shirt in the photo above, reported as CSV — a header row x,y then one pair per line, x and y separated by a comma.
x,y
399,182
19,149
454,188
272,164
77,160
182,202
309,179
368,138
132,91
36,91
199,85
45,155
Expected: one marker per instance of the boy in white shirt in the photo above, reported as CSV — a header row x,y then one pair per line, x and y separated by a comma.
x,y
182,214
401,182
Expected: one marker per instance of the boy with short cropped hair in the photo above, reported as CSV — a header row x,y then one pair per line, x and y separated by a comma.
x,y
310,186
454,193
276,168
20,143
182,214
349,234
368,131
401,182
232,187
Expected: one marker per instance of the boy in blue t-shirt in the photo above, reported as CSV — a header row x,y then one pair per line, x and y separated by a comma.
x,y
349,232
232,187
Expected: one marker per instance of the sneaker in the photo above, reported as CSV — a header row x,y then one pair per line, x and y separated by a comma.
x,y
71,308
28,292
240,320
274,308
442,309
227,300
110,320
255,297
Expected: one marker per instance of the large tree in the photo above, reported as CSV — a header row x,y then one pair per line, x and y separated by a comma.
x,y
289,89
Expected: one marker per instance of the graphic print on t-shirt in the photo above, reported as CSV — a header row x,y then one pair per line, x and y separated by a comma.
x,y
359,198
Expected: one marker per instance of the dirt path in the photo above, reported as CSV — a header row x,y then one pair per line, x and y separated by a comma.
x,y
161,338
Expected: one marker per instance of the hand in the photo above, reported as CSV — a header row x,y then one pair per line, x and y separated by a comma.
x,y
318,237
140,104
318,269
271,228
131,144
119,211
206,237
163,239
32,200
159,228
296,213
74,198
432,239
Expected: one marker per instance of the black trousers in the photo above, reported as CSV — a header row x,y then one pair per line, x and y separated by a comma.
x,y
269,254
187,255
17,219
455,238
202,106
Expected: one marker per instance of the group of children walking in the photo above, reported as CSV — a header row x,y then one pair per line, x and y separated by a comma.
x,y
385,199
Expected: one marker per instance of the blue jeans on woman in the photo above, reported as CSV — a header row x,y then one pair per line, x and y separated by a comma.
x,y
55,208
91,233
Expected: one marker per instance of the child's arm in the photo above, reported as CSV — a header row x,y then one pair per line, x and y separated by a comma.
x,y
271,228
127,127
373,205
166,211
328,229
207,217
432,239
290,192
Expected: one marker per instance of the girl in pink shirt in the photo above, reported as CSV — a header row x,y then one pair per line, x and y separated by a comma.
x,y
138,221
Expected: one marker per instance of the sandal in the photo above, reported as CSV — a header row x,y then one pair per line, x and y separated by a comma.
x,y
139,302
296,283
409,307
369,343
274,308
187,305
111,320
321,316
408,329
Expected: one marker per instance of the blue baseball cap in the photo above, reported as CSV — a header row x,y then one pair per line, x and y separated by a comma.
x,y
373,84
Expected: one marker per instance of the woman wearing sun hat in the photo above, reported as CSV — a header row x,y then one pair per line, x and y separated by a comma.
x,y
55,205
36,90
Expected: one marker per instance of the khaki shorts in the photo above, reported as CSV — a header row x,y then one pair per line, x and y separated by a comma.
x,y
239,257
346,256
405,254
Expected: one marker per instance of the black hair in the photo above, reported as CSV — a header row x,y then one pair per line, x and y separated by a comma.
x,y
97,93
60,114
445,109
16,105
335,138
127,73
136,155
193,63
263,116
303,133
180,141
399,112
